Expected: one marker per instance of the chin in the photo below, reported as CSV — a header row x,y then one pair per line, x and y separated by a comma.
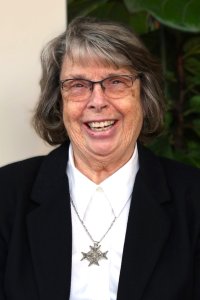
x,y
103,151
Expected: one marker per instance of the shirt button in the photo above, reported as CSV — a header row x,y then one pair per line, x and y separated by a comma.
x,y
99,189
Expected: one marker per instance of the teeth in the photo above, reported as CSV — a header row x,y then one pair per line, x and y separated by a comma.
x,y
100,125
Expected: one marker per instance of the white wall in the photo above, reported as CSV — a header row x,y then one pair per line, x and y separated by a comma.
x,y
25,26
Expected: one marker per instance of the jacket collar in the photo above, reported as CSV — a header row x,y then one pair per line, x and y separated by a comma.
x,y
148,227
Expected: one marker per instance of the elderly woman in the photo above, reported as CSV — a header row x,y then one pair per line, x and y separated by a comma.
x,y
100,217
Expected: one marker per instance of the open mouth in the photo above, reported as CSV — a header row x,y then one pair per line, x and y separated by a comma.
x,y
101,126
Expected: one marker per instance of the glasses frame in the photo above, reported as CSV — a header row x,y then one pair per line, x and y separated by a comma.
x,y
133,77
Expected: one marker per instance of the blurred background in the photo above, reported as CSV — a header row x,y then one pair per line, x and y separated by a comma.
x,y
171,31
25,27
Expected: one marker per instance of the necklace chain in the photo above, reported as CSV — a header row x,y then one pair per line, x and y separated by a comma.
x,y
109,228
86,229
94,255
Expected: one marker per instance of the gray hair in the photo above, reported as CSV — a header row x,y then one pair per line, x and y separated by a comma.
x,y
108,43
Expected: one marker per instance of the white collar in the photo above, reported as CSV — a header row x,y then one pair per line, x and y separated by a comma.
x,y
117,187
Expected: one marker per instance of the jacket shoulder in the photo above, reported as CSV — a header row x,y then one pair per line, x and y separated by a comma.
x,y
178,178
23,170
180,172
16,181
173,171
184,185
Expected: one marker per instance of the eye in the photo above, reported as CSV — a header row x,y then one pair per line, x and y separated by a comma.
x,y
116,81
78,84
75,85
122,81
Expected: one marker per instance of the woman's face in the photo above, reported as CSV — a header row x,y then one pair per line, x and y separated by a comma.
x,y
100,127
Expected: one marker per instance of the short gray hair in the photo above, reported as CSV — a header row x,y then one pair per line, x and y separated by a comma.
x,y
110,44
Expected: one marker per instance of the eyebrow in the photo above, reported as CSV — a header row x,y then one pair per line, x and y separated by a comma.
x,y
83,76
77,76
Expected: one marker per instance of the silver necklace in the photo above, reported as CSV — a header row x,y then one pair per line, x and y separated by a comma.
x,y
94,255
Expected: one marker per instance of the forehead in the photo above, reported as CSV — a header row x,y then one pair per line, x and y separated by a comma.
x,y
90,68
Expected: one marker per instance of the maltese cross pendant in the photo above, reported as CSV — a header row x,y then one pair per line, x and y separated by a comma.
x,y
94,255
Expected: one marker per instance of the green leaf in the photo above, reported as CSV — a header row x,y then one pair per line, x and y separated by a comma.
x,y
192,46
194,106
179,14
196,124
83,7
139,22
192,65
112,10
193,153
105,9
195,102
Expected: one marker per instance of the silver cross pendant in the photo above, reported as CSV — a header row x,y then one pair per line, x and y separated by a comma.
x,y
94,255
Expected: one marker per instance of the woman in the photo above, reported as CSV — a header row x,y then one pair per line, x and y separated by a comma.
x,y
100,217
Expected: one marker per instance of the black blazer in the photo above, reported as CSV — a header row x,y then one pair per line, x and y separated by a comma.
x,y
161,258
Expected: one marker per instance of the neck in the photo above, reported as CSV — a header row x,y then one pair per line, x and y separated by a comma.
x,y
98,168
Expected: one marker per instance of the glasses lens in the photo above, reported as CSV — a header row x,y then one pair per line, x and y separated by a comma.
x,y
117,86
114,87
76,89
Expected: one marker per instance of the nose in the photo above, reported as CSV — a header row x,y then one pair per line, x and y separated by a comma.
x,y
97,99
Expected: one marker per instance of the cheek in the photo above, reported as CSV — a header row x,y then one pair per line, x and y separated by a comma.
x,y
72,116
70,113
138,117
133,111
134,119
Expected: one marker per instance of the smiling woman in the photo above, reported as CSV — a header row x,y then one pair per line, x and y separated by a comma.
x,y
86,121
110,46
101,98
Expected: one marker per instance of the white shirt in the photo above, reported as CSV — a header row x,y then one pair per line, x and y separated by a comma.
x,y
99,282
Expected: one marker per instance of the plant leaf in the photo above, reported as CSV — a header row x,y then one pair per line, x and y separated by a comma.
x,y
196,124
83,7
195,102
179,14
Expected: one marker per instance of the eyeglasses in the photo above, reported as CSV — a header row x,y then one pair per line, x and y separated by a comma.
x,y
114,87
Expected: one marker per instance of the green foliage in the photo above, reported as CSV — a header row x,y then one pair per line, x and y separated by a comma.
x,y
171,30
108,9
181,140
179,14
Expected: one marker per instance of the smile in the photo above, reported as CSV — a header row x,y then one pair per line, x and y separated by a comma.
x,y
100,126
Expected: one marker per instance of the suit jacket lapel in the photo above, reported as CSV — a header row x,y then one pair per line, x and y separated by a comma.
x,y
147,230
49,227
